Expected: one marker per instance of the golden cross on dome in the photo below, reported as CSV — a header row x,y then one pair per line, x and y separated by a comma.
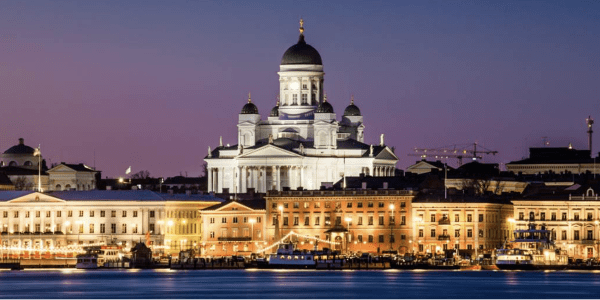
x,y
352,100
301,26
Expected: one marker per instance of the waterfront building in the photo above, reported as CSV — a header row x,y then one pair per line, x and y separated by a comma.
x,y
555,160
301,144
68,219
356,221
573,215
234,228
183,220
459,222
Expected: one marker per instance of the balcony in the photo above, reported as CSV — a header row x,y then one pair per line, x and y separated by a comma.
x,y
443,237
234,239
444,221
588,242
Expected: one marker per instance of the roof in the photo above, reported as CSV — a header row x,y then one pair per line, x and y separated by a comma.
x,y
20,171
183,180
191,197
460,198
249,108
20,148
4,180
324,107
352,110
96,195
9,195
77,167
301,54
395,183
255,204
555,155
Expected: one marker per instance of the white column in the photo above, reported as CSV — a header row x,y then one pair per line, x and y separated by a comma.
x,y
219,187
210,178
244,177
278,178
301,177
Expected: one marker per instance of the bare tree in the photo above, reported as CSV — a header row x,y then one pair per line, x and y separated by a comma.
x,y
143,174
20,183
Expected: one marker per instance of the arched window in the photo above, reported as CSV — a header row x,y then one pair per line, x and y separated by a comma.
x,y
58,187
12,163
28,163
1,163
68,187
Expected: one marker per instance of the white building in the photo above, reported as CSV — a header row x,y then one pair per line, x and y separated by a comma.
x,y
301,143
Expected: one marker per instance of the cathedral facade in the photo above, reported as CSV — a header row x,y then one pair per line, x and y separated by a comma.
x,y
301,144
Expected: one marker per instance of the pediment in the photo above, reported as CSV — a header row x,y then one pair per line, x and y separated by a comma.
x,y
268,151
386,154
36,198
61,168
422,165
234,206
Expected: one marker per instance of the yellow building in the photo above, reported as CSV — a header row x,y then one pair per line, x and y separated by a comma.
x,y
355,221
459,222
573,218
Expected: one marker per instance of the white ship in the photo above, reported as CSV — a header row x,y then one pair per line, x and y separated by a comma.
x,y
287,257
537,252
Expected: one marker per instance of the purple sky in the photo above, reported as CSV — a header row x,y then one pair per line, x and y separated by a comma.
x,y
152,84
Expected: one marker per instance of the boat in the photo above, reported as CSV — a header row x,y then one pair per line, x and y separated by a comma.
x,y
89,260
288,257
537,251
109,254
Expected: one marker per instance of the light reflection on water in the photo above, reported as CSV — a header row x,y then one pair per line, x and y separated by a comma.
x,y
162,283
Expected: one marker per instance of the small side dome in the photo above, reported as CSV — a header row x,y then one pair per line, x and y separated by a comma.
x,y
325,107
275,110
249,108
352,110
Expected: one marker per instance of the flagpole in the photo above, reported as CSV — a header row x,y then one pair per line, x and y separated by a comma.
x,y
39,153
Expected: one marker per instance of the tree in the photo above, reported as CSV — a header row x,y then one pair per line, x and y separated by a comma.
x,y
20,183
143,174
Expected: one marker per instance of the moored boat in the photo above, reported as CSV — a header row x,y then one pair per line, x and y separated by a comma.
x,y
537,252
287,257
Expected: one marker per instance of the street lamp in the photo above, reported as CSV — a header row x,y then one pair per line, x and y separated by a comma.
x,y
348,220
392,226
252,221
280,207
79,223
132,226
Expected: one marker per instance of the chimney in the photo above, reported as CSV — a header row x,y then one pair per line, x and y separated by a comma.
x,y
385,185
364,185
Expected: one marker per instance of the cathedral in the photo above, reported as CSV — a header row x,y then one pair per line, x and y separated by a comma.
x,y
301,145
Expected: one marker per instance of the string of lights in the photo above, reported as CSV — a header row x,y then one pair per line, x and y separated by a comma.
x,y
297,235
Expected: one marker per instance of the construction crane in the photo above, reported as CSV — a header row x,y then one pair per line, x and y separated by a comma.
x,y
454,151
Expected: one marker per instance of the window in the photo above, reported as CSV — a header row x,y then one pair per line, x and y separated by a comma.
x,y
306,204
370,220
224,220
370,238
360,221
317,204
359,238
317,221
469,232
370,204
480,233
135,213
211,220
59,214
274,205
285,221
102,214
543,216
16,214
432,232
258,219
381,220
274,221
327,205
306,220
5,214
296,220
91,213
553,216
296,204
432,217
327,221
81,213
212,234
380,204
48,214
403,236
576,216
26,214
37,228
403,220
91,228
304,98
589,216
402,204
564,216
151,214
235,220
590,235
469,218
80,228
563,235
521,216
70,214
349,205
304,86
420,232
456,218
480,217
456,232
151,228
381,240
294,99
576,235
113,213
102,228
359,205
134,229
124,214
124,228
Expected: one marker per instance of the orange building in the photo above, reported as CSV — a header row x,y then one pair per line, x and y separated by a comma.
x,y
351,221
233,228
